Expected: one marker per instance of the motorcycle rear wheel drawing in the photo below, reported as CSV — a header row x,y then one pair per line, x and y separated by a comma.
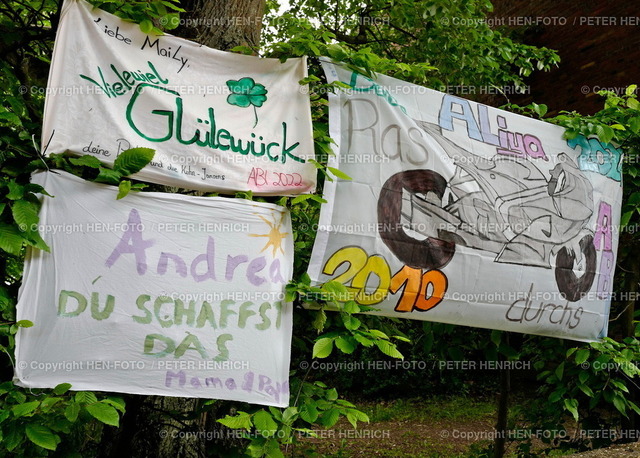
x,y
572,286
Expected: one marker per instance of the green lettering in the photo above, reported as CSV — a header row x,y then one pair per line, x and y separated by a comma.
x,y
150,342
206,314
266,322
157,305
140,301
187,343
245,313
181,312
98,314
63,299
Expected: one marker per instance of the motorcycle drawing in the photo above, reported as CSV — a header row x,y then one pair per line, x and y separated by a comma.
x,y
503,205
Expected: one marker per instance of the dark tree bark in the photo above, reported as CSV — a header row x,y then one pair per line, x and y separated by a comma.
x,y
223,24
503,406
155,426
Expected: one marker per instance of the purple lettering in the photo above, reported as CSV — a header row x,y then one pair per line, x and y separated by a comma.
x,y
132,242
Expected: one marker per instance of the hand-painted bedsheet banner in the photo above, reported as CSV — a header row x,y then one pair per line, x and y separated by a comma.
x,y
219,121
158,294
462,213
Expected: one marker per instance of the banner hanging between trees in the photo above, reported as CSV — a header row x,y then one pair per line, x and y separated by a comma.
x,y
465,214
157,294
218,121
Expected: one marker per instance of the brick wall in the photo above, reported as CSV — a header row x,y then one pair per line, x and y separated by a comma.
x,y
598,43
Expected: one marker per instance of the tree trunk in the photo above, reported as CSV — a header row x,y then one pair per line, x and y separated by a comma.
x,y
223,24
156,426
503,405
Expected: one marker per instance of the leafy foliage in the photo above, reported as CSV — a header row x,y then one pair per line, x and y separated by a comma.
x,y
429,42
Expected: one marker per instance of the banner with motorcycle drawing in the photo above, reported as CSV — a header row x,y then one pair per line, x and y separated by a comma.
x,y
219,121
461,213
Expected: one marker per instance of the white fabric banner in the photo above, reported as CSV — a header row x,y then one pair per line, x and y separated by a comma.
x,y
218,121
462,213
159,294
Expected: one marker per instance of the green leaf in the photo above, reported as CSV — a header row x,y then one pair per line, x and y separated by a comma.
x,y
146,26
86,161
583,376
273,449
323,347
360,416
16,191
402,339
634,407
335,288
330,417
62,388
11,239
350,322
34,239
42,436
363,340
604,133
345,344
351,307
13,438
123,189
301,198
309,413
117,402
556,395
105,413
24,324
339,173
496,337
240,421
560,371
619,385
48,403
22,410
389,349
582,355
72,411
585,389
379,334
264,422
289,414
133,160
624,219
86,397
171,21
572,406
108,176
620,404
25,213
319,320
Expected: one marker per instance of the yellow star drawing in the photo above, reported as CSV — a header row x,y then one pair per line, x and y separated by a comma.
x,y
274,235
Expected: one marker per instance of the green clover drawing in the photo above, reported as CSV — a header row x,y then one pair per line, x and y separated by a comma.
x,y
245,92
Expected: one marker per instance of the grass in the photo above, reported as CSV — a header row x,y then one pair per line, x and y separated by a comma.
x,y
414,428
449,408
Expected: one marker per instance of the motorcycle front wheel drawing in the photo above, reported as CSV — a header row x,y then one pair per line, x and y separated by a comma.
x,y
571,286
430,253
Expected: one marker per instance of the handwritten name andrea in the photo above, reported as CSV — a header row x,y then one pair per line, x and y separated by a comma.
x,y
170,125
